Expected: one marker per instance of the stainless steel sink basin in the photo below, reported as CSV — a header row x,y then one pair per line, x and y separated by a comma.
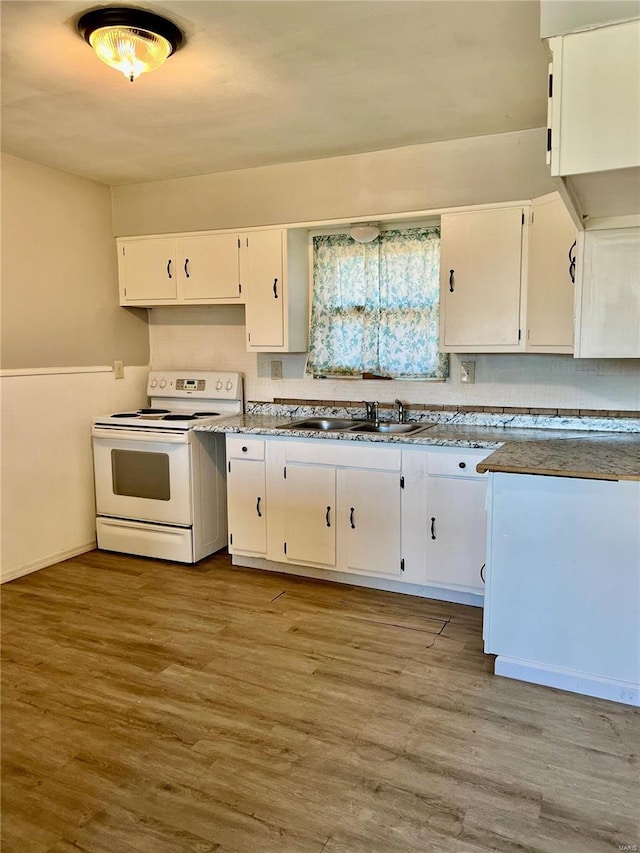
x,y
389,428
322,424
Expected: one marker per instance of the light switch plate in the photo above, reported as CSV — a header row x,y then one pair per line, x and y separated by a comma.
x,y
118,369
276,369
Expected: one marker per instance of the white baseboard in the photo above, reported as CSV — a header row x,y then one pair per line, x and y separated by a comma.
x,y
452,595
566,679
51,560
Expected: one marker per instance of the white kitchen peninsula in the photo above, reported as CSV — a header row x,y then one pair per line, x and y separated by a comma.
x,y
562,604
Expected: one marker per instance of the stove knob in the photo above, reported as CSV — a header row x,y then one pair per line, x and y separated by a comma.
x,y
153,383
163,383
229,385
218,384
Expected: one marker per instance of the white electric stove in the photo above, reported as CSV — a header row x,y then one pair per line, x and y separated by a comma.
x,y
160,485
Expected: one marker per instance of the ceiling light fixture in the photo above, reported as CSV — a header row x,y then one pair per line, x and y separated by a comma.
x,y
132,41
364,233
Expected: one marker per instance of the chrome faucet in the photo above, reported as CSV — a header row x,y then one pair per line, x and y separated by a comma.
x,y
372,412
400,406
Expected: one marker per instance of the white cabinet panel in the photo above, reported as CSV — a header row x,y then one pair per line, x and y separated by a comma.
x,y
596,99
247,506
608,306
265,310
210,266
370,506
147,270
480,275
456,532
550,288
310,524
563,582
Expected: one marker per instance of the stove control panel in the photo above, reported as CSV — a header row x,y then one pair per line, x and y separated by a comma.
x,y
205,384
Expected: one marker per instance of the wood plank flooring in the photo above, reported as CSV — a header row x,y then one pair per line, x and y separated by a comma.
x,y
157,708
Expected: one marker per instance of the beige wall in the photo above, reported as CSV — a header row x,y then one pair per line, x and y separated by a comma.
x,y
59,274
479,170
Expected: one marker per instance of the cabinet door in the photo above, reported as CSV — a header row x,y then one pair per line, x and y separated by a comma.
x,y
550,289
370,521
209,267
480,272
310,525
608,311
596,100
265,289
147,270
456,531
247,506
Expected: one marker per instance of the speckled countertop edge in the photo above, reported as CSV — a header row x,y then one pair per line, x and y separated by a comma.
x,y
570,450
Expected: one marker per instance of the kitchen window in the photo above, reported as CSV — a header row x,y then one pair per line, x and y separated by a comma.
x,y
375,306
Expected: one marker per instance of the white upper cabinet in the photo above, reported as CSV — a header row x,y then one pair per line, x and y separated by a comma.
x,y
147,271
551,275
608,295
277,298
179,270
594,118
210,267
266,270
480,273
505,283
596,100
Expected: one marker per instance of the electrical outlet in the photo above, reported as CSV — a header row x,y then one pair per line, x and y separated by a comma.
x,y
118,369
276,369
468,372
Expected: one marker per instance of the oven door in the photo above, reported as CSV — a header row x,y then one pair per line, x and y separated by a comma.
x,y
143,475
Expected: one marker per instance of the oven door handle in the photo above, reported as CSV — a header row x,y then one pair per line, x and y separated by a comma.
x,y
164,436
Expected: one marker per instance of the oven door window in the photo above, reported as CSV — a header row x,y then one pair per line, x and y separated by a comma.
x,y
141,474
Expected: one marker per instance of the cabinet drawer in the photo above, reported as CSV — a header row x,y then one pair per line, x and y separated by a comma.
x,y
456,464
245,448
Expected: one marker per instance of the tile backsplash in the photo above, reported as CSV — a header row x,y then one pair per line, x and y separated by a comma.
x,y
213,337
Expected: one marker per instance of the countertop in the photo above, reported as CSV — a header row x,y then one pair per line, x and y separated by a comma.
x,y
615,456
555,452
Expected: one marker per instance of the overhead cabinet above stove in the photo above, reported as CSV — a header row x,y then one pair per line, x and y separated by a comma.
x,y
265,270
184,270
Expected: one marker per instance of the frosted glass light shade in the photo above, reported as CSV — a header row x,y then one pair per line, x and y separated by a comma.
x,y
131,51
130,40
364,233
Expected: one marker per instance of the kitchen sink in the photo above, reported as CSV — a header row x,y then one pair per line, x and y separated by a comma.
x,y
389,428
322,424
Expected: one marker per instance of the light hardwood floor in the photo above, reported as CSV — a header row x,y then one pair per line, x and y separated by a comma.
x,y
157,708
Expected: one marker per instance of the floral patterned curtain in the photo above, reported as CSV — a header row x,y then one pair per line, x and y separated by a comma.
x,y
375,306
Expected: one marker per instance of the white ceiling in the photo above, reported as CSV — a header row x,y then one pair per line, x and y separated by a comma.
x,y
268,82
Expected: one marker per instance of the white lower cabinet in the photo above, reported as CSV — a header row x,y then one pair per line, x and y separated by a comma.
x,y
444,523
370,521
386,511
310,514
246,496
337,505
456,534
